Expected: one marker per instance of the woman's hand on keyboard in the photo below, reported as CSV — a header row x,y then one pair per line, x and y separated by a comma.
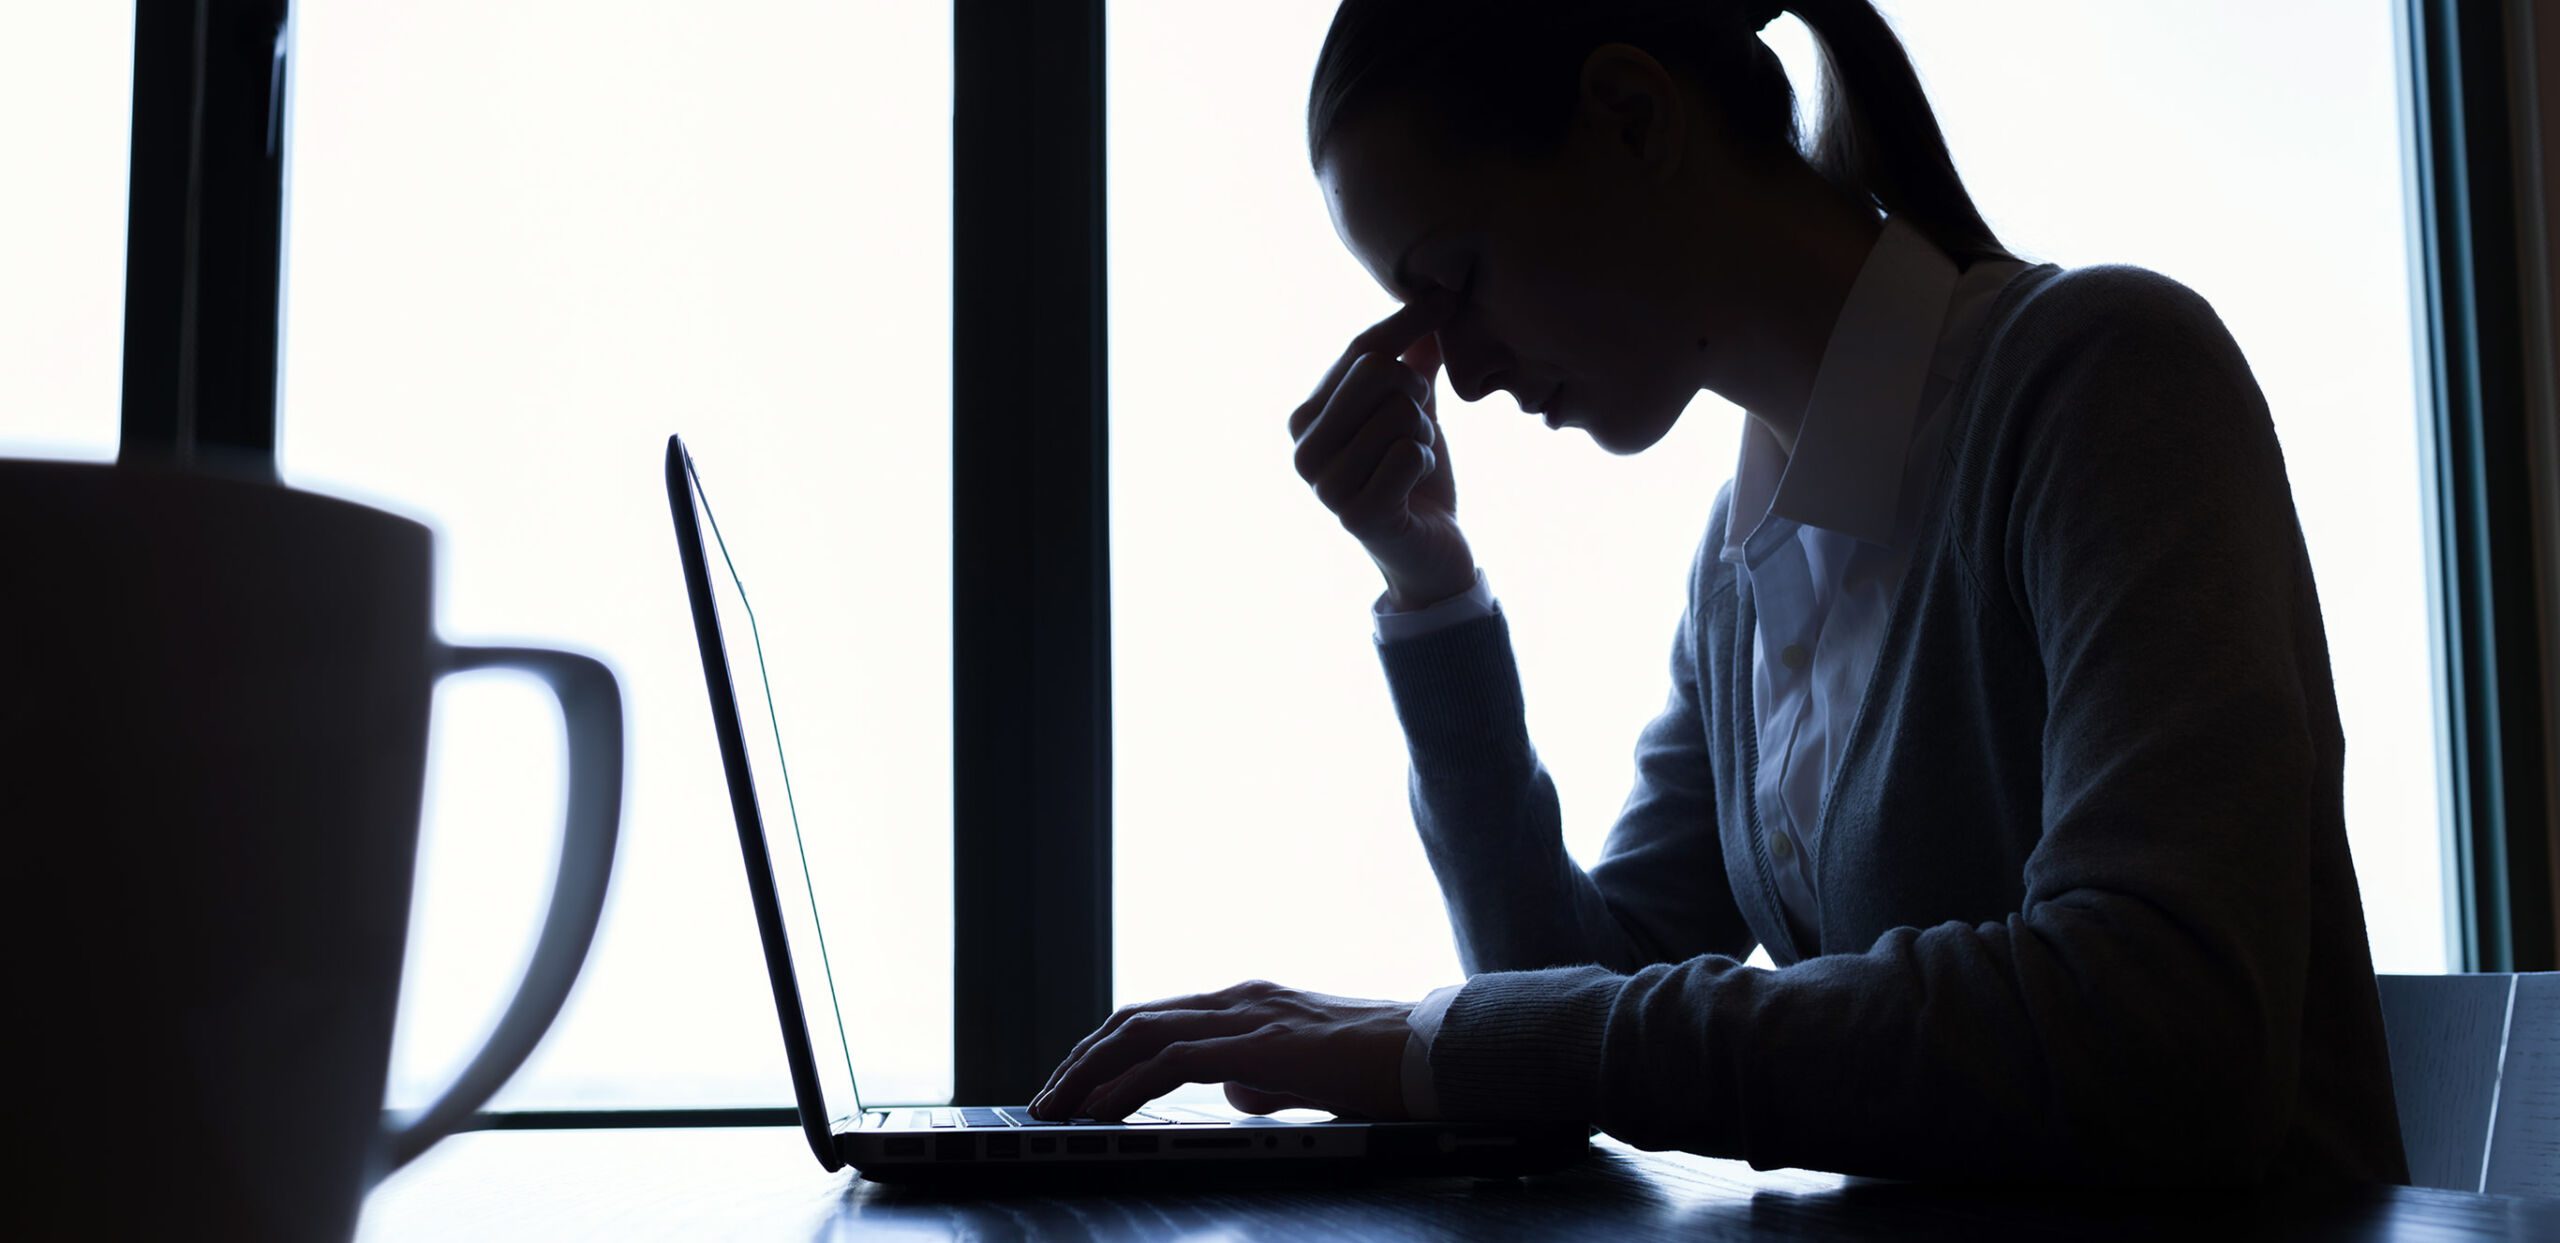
x,y
1274,1048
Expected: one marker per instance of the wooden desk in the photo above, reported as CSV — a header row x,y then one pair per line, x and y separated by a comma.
x,y
762,1184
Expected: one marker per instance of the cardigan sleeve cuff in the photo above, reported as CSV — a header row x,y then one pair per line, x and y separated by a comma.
x,y
1524,1046
1421,1099
1457,695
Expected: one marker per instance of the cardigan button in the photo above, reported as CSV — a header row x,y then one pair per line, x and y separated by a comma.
x,y
1781,845
1792,656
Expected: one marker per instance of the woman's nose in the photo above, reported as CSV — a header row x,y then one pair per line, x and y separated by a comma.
x,y
1474,364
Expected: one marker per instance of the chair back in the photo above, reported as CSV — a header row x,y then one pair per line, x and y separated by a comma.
x,y
2475,1065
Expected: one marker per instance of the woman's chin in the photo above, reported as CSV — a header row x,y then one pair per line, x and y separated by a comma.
x,y
1621,437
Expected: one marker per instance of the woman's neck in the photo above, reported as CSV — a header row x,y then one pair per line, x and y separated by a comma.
x,y
1814,242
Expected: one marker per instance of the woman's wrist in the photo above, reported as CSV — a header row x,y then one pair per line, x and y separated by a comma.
x,y
1409,598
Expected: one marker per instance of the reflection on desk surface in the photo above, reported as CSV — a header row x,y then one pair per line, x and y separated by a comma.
x,y
759,1184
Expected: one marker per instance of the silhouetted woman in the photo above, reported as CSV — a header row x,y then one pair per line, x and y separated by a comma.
x,y
2000,713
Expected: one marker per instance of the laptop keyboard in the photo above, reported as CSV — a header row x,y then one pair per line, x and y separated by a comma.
x,y
1020,1115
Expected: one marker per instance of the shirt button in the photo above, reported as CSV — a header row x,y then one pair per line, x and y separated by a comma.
x,y
1792,656
1783,846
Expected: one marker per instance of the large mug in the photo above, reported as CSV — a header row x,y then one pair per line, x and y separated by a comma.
x,y
213,745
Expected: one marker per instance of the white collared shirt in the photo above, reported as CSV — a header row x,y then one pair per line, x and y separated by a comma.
x,y
1822,537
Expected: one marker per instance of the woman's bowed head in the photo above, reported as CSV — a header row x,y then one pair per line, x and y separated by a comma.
x,y
1601,233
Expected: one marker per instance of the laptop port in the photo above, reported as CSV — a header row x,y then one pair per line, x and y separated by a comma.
x,y
954,1148
1004,1146
1212,1141
904,1146
1137,1143
1043,1145
1084,1145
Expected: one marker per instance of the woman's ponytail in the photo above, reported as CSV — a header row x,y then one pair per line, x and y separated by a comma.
x,y
1877,138
1504,74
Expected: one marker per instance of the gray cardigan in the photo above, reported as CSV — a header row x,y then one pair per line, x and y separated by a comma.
x,y
2086,909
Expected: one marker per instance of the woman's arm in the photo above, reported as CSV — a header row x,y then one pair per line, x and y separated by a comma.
x,y
1490,823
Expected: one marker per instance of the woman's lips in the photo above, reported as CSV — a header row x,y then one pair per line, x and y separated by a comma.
x,y
1547,407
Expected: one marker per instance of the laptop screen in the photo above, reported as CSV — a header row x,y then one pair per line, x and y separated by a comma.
x,y
743,696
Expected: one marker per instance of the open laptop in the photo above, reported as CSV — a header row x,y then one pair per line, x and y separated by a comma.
x,y
972,1143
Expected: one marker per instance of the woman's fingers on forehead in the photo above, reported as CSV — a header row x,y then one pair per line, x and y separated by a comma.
x,y
1410,323
1423,356
1396,335
1352,407
1329,394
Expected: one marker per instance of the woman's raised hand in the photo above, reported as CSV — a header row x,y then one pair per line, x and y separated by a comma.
x,y
1369,444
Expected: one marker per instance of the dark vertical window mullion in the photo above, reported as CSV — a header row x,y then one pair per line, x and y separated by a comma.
x,y
205,233
2481,489
1031,674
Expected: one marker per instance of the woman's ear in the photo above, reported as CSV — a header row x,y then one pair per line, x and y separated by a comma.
x,y
1633,108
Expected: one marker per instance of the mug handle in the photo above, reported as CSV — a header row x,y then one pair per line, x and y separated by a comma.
x,y
591,704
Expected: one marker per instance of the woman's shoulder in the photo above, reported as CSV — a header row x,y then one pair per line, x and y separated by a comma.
x,y
2113,417
2054,312
2112,373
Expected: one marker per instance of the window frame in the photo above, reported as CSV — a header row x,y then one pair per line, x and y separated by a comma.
x,y
1031,568
204,240
1031,677
2478,441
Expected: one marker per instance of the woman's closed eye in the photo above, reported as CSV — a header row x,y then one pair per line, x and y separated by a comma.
x,y
1434,285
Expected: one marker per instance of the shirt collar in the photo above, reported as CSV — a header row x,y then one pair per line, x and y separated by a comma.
x,y
1847,469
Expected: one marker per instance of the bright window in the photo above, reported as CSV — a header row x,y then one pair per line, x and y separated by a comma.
x,y
66,130
529,240
2251,151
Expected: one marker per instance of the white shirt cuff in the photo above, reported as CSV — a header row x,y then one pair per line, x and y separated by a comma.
x,y
1466,606
1421,1096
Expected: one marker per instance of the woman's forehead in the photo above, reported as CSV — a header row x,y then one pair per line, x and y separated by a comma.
x,y
1384,194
